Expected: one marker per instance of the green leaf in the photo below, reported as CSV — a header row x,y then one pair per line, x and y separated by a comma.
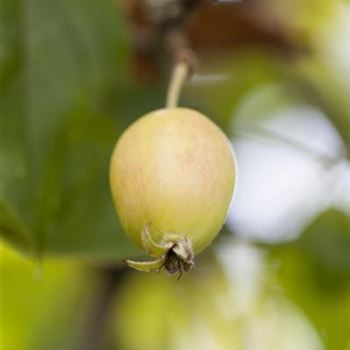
x,y
13,229
314,272
44,309
326,242
64,64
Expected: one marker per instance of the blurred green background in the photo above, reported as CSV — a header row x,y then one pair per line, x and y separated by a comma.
x,y
275,76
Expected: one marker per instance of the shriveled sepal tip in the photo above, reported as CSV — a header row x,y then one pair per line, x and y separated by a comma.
x,y
146,266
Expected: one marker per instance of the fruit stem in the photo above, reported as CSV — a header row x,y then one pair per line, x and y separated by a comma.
x,y
179,75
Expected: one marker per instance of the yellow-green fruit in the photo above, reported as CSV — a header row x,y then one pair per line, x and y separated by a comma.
x,y
172,173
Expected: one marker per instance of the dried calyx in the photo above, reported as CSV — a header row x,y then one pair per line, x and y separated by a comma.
x,y
174,253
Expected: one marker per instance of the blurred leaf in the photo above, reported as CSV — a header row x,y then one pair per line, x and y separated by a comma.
x,y
13,229
327,243
60,62
38,308
314,273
